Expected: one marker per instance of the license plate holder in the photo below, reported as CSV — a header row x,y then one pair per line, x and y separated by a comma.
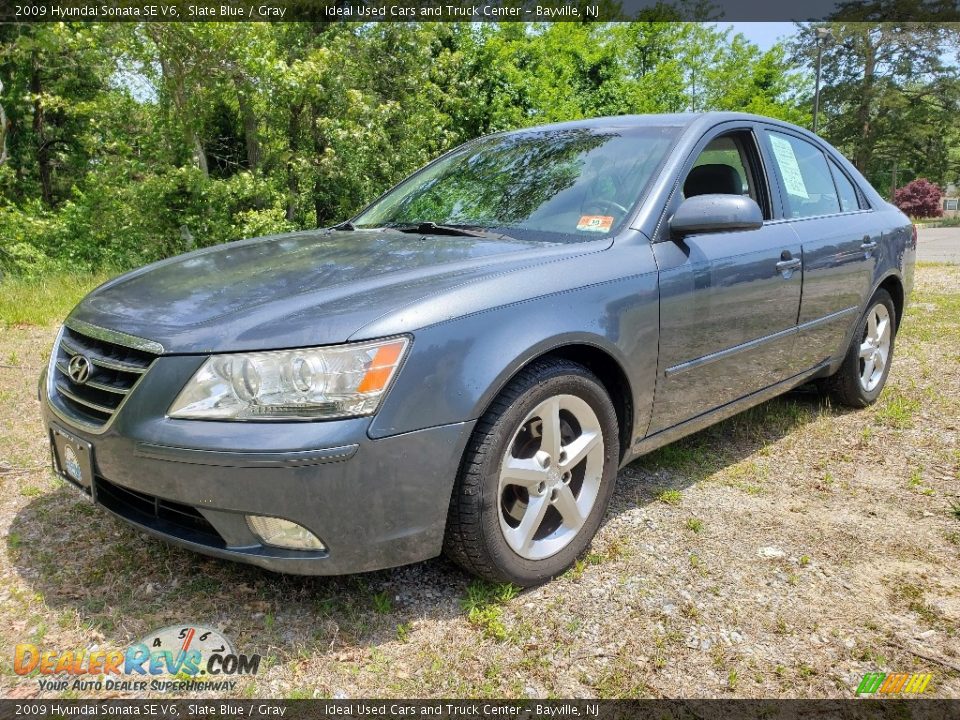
x,y
72,460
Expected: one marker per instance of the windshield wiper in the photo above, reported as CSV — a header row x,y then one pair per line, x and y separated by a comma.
x,y
432,228
346,225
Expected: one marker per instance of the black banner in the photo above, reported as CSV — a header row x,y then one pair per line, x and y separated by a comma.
x,y
472,10
914,709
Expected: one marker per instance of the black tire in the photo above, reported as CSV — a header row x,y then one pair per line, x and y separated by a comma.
x,y
474,539
844,385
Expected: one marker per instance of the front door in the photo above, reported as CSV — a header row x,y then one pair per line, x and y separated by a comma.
x,y
728,301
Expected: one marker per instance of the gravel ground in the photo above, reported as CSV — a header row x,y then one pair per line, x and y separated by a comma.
x,y
783,553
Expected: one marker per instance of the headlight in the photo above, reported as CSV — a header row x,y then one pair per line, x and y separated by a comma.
x,y
307,384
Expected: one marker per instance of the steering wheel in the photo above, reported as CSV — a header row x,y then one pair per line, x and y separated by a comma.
x,y
605,206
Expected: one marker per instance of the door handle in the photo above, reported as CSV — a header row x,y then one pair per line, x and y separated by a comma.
x,y
868,246
786,267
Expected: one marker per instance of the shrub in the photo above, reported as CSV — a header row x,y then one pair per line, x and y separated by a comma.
x,y
920,199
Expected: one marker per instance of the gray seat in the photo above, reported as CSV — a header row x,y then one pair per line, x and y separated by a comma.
x,y
713,179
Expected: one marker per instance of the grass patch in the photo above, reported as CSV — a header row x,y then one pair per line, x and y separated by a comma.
x,y
912,596
42,302
670,497
381,603
694,525
484,606
897,411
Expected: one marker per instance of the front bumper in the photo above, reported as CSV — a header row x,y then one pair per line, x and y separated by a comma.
x,y
374,503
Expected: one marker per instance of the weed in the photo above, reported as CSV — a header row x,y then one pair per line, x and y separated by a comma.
x,y
689,610
403,632
670,497
916,477
489,620
381,602
732,680
955,509
804,560
694,525
483,606
913,597
897,411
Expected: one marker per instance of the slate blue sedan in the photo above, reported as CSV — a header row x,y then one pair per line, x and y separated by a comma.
x,y
464,366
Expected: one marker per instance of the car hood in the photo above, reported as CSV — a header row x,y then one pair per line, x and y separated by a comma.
x,y
309,288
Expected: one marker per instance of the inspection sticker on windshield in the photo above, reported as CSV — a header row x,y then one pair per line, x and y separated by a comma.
x,y
595,223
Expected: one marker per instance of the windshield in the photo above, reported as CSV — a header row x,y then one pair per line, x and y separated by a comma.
x,y
566,185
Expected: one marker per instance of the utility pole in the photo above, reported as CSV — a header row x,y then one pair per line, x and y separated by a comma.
x,y
822,34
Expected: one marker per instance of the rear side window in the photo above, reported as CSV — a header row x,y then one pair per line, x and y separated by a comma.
x,y
849,201
804,176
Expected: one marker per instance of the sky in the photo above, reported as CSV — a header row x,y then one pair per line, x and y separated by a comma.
x,y
763,34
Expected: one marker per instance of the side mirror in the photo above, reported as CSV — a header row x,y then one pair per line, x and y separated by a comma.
x,y
715,213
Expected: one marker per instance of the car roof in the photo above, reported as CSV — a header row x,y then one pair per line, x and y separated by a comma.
x,y
680,120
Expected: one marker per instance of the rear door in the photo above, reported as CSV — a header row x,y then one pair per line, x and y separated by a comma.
x,y
728,301
831,219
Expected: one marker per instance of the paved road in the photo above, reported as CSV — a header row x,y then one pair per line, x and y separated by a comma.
x,y
939,245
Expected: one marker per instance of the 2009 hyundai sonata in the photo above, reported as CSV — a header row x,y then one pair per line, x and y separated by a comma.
x,y
464,366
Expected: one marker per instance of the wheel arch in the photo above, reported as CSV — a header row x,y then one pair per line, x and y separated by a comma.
x,y
598,360
893,284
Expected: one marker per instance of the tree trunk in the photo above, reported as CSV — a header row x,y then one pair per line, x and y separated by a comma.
x,y
251,130
293,144
173,78
199,154
44,167
864,148
4,128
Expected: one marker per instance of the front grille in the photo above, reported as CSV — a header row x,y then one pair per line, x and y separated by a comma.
x,y
115,369
165,515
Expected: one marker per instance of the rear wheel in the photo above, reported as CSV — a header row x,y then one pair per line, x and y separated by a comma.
x,y
861,377
537,476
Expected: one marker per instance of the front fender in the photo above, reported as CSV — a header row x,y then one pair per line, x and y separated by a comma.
x,y
456,368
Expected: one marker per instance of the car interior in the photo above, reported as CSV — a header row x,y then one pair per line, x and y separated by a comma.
x,y
727,166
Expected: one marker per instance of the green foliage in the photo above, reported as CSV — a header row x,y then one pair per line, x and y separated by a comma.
x,y
129,143
890,97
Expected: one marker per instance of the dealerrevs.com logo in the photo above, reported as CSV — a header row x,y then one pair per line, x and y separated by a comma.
x,y
176,658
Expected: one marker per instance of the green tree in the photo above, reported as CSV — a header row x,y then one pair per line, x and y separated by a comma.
x,y
890,94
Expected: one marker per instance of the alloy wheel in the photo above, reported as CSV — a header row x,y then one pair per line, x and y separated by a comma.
x,y
550,476
875,347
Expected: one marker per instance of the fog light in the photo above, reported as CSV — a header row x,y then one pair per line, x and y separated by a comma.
x,y
283,533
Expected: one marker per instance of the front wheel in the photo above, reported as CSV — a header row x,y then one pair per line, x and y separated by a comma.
x,y
864,371
537,476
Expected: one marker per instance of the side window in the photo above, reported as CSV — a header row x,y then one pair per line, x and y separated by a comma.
x,y
849,201
728,165
804,177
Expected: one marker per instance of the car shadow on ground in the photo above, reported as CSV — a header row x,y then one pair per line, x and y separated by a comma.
x,y
94,572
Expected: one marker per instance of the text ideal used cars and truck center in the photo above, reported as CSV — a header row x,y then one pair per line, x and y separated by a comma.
x,y
464,366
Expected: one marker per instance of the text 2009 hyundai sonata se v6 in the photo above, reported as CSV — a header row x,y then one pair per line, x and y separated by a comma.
x,y
465,365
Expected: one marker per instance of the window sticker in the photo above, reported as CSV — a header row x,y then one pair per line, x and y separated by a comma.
x,y
789,167
595,223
